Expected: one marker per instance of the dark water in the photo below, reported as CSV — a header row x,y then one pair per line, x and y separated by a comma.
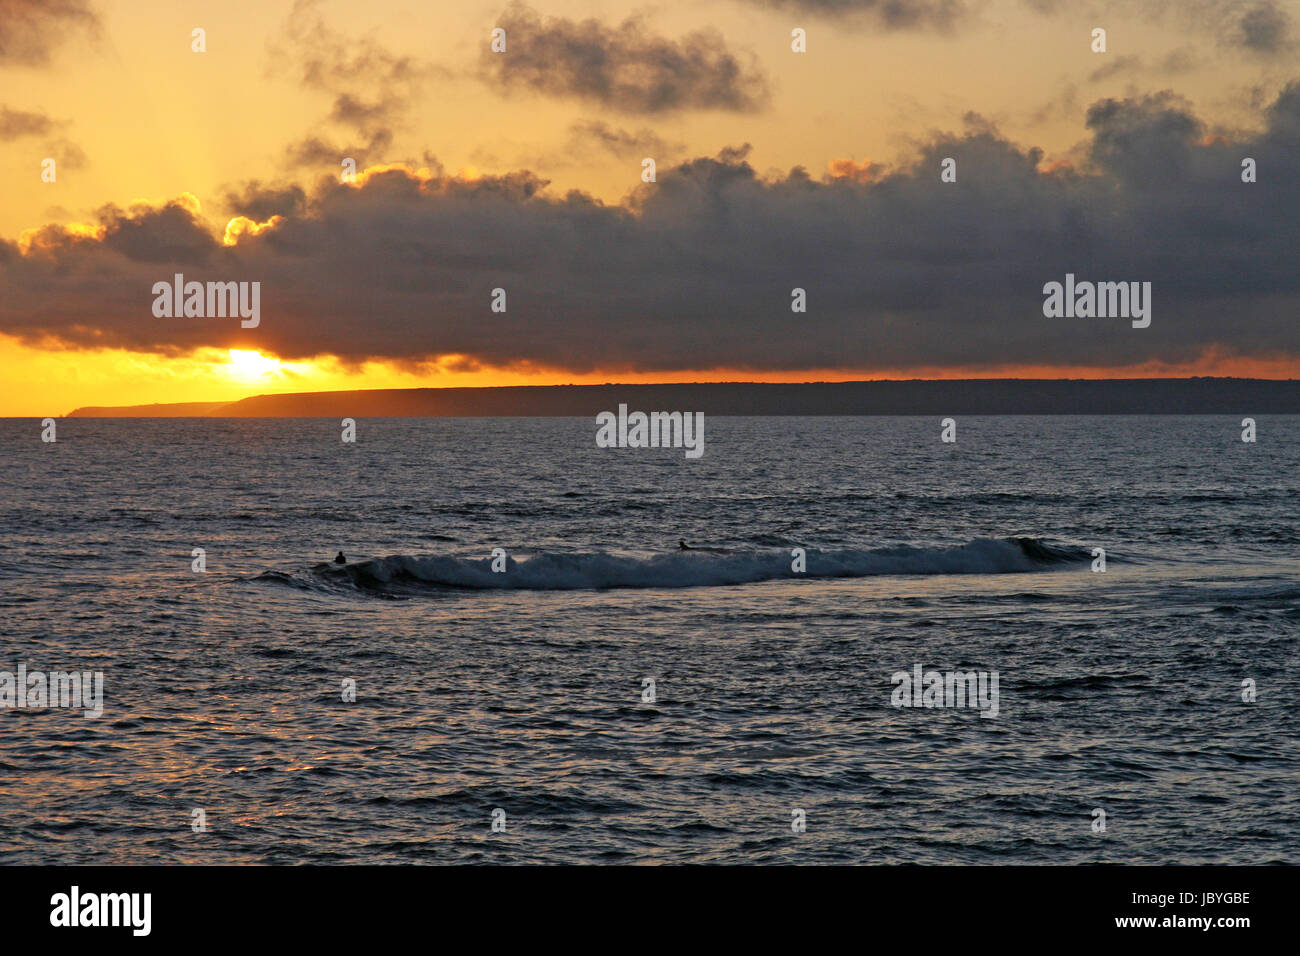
x,y
522,690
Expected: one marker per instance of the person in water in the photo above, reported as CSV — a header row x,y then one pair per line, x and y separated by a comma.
x,y
683,546
339,559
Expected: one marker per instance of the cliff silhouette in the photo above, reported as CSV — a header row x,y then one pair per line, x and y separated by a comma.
x,y
1186,396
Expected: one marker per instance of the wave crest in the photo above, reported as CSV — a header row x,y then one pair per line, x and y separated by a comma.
x,y
557,571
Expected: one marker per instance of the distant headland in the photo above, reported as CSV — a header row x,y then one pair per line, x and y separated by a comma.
x,y
1162,396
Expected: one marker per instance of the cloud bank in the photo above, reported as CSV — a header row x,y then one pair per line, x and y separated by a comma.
x,y
696,271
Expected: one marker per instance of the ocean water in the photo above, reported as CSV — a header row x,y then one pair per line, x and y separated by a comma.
x,y
1119,691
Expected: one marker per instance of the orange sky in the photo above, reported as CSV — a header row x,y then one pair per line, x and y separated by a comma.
x,y
153,119
119,377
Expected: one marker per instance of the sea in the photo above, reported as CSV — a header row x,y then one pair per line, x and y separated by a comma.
x,y
519,663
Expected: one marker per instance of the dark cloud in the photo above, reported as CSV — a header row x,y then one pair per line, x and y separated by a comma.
x,y
599,135
1265,28
1261,28
315,151
1145,140
1128,63
67,154
1064,104
940,15
260,202
696,271
624,68
17,123
1175,62
1284,115
325,59
30,30
371,86
353,111
169,234
1182,60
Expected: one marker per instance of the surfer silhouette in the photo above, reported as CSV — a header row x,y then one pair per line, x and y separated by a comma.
x,y
683,546
339,559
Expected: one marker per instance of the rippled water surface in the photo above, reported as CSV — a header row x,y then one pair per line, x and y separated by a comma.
x,y
522,690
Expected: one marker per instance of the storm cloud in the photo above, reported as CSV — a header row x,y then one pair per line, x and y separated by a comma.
x,y
696,271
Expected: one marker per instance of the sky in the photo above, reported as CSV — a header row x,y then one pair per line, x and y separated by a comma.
x,y
130,157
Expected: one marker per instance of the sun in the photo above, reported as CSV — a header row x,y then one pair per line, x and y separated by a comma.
x,y
249,365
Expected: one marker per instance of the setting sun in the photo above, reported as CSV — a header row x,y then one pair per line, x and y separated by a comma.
x,y
250,365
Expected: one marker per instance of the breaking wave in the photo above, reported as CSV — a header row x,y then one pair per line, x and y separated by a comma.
x,y
557,571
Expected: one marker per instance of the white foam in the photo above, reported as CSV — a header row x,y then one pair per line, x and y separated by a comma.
x,y
594,570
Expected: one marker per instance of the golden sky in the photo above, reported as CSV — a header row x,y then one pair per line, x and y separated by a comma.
x,y
134,116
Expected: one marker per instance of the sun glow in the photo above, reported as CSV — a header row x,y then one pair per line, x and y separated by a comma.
x,y
243,226
249,365
120,377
